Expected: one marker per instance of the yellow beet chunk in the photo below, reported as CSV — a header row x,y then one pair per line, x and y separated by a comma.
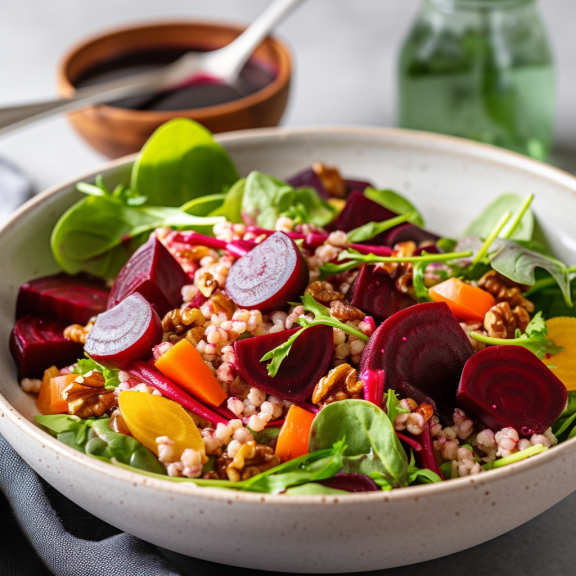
x,y
149,417
562,331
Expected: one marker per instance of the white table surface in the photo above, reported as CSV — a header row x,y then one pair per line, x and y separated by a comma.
x,y
345,54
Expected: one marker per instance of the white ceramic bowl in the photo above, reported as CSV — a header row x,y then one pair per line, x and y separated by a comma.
x,y
450,180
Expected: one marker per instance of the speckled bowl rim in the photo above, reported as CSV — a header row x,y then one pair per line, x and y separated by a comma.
x,y
397,495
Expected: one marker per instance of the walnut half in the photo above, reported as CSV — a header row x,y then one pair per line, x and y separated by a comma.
x,y
323,292
251,459
502,322
341,383
505,290
87,397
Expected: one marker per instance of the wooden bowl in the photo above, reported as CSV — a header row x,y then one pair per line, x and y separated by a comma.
x,y
117,132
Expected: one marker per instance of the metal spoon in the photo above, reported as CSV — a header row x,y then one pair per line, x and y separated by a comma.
x,y
224,64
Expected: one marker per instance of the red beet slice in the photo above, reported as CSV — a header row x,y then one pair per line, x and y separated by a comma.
x,y
37,344
300,371
153,272
268,277
360,210
64,298
375,293
125,334
509,386
422,350
351,482
359,185
408,232
308,179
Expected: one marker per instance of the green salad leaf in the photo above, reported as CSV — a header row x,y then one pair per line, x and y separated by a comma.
x,y
87,364
205,205
534,339
266,198
99,233
372,444
321,316
393,407
396,203
489,217
418,271
180,162
314,489
371,229
231,208
420,475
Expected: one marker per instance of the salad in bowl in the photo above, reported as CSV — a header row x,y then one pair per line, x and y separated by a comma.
x,y
298,337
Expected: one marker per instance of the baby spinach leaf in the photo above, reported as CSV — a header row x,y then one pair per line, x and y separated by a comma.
x,y
371,229
396,203
518,264
204,205
231,209
489,217
99,233
266,199
313,489
420,475
381,481
372,444
534,338
180,162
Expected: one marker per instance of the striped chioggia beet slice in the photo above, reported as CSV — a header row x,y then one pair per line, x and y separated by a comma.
x,y
269,276
126,333
422,351
510,387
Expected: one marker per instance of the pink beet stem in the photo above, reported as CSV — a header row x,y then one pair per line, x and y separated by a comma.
x,y
308,407
240,248
198,301
225,412
143,371
195,239
428,458
276,423
314,240
410,441
368,249
373,386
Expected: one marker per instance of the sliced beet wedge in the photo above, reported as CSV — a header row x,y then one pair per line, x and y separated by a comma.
x,y
360,210
351,482
509,386
153,272
37,344
269,276
375,293
422,350
408,232
300,371
125,334
308,179
64,298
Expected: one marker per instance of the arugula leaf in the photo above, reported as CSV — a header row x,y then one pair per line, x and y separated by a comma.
x,y
87,364
99,233
330,269
534,339
519,263
372,444
395,202
180,162
393,407
418,271
266,198
354,255
321,316
371,229
522,455
489,217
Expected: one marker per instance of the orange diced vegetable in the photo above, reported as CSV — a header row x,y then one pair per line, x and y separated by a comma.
x,y
295,434
149,416
562,331
184,365
50,399
467,302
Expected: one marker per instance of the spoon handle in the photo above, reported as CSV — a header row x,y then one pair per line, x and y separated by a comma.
x,y
227,62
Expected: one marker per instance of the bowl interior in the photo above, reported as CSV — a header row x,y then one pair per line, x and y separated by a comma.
x,y
449,179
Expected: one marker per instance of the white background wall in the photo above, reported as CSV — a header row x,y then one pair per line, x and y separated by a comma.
x,y
345,56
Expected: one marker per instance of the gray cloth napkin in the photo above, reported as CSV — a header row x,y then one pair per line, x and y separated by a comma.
x,y
44,533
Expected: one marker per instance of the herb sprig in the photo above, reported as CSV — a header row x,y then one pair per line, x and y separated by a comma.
x,y
321,317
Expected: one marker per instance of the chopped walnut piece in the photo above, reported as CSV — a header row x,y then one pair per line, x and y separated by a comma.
x,y
333,183
194,335
345,312
505,290
87,397
400,250
250,460
501,321
206,284
469,327
178,321
341,383
222,303
78,333
194,253
323,292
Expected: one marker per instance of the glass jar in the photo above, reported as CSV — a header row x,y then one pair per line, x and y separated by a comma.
x,y
480,69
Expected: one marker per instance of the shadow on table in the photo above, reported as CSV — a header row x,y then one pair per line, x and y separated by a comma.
x,y
544,546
